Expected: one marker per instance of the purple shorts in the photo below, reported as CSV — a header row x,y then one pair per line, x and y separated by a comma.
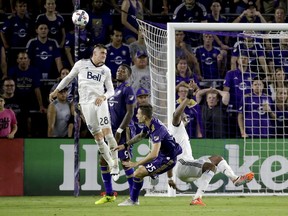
x,y
160,165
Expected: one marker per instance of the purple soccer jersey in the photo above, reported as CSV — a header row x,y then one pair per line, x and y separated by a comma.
x,y
98,25
55,27
18,31
239,84
208,62
257,121
43,55
280,58
116,57
169,149
124,95
253,53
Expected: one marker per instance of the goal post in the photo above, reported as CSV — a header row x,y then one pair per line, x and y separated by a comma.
x,y
229,27
161,45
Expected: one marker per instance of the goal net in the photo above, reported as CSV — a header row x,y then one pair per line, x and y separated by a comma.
x,y
263,148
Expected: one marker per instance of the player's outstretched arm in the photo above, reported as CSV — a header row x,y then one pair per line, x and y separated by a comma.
x,y
180,109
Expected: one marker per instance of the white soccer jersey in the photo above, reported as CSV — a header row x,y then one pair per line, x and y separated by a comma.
x,y
182,138
91,81
187,168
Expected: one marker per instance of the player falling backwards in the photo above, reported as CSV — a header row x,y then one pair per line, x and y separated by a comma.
x,y
189,169
93,78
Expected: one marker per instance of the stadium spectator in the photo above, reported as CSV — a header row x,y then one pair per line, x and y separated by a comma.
x,y
138,45
142,97
192,111
185,74
277,57
100,22
250,15
121,107
162,156
280,15
8,121
216,17
54,21
16,31
257,111
12,101
44,53
184,49
130,8
238,83
85,45
209,58
59,116
278,81
214,115
117,52
280,124
189,169
140,77
27,81
255,52
191,11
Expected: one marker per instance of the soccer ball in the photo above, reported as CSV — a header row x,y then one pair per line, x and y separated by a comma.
x,y
80,18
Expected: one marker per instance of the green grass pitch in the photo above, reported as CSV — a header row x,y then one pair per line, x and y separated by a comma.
x,y
149,206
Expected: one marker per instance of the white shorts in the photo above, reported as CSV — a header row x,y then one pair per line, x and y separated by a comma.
x,y
96,117
189,170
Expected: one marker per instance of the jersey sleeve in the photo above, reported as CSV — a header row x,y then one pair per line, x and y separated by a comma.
x,y
109,85
129,95
73,73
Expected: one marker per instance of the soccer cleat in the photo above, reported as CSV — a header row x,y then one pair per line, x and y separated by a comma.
x,y
244,179
105,199
197,201
128,202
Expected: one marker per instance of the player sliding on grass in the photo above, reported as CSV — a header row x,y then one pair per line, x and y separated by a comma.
x,y
188,169
95,87
162,157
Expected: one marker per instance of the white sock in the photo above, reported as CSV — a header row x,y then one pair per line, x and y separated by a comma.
x,y
224,167
204,182
105,152
112,144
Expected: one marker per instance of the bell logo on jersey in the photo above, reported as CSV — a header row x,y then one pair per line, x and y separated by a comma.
x,y
93,77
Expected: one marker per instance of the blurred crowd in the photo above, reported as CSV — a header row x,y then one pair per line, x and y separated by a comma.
x,y
37,50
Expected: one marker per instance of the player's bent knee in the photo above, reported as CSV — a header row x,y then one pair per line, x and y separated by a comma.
x,y
141,172
208,166
98,135
215,159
